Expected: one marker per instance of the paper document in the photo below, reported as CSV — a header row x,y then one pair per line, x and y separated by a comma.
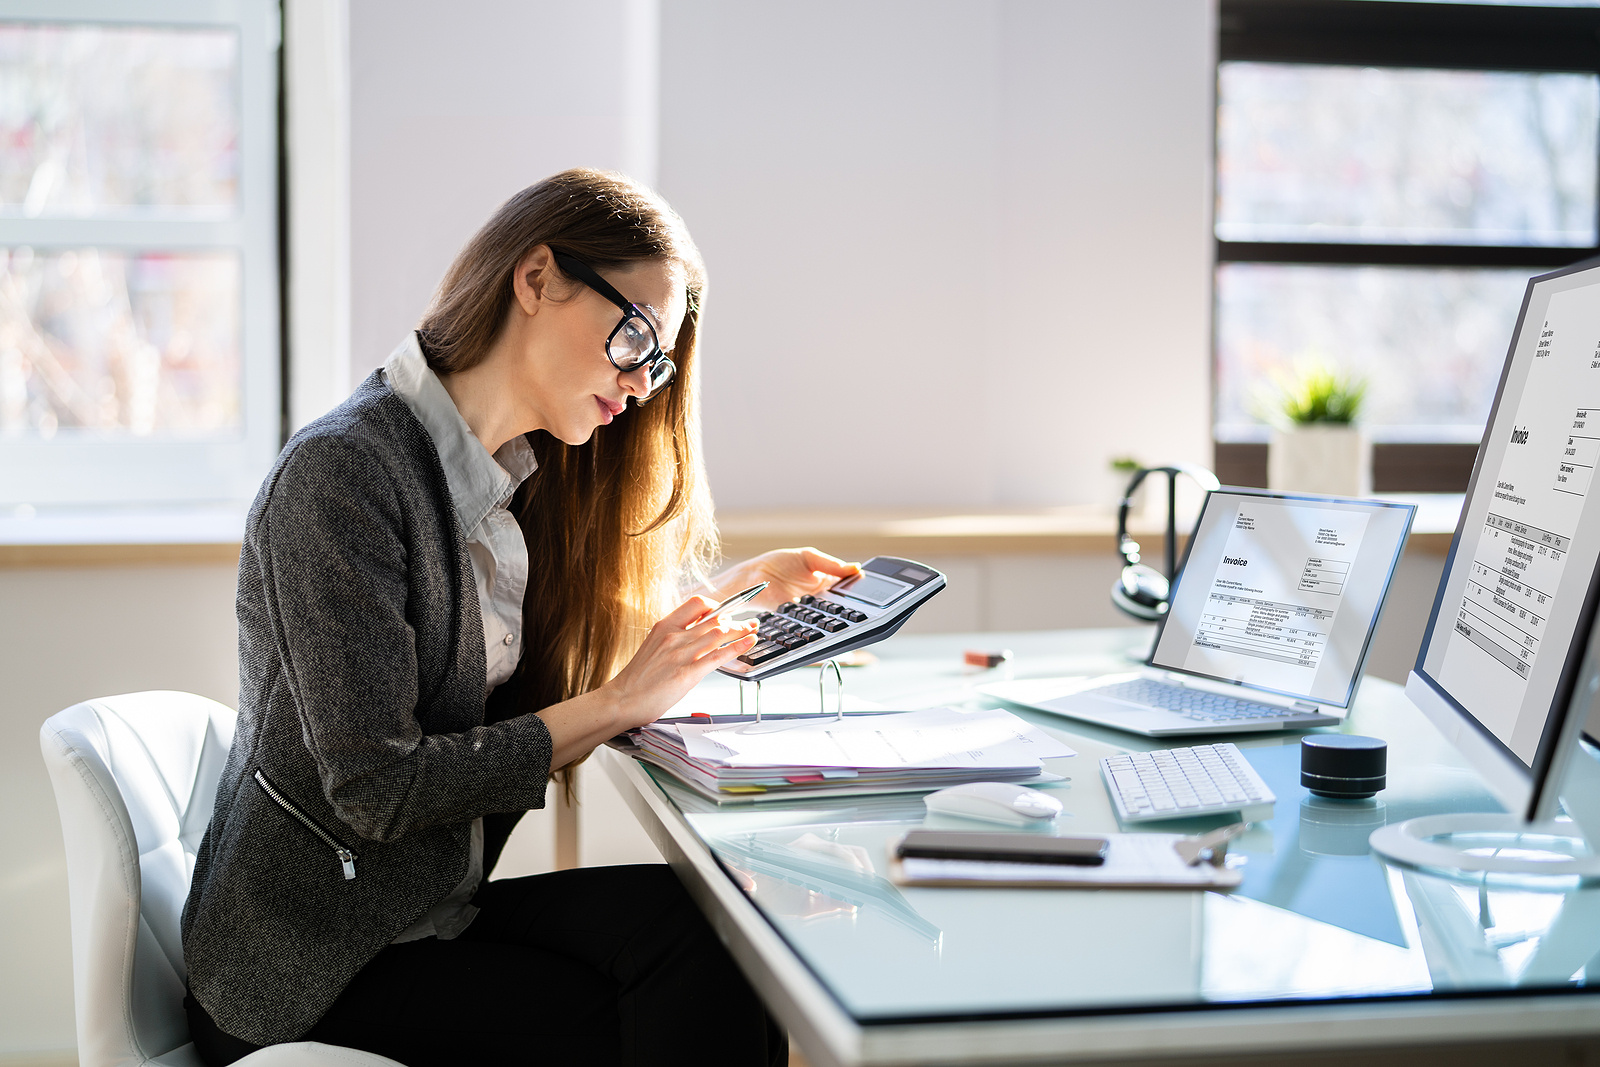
x,y
934,737
1276,594
891,752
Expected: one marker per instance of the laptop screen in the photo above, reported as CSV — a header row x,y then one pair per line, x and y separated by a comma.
x,y
1281,593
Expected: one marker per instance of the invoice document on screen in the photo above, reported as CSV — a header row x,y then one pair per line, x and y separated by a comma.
x,y
1281,592
1532,542
1270,611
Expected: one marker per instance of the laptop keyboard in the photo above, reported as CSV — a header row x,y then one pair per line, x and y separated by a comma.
x,y
1197,704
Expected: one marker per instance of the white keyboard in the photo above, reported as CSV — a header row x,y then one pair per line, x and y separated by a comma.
x,y
1175,783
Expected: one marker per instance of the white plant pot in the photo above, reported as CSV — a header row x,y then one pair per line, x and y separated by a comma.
x,y
1335,460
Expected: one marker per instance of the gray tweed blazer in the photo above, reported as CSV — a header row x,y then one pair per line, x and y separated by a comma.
x,y
362,753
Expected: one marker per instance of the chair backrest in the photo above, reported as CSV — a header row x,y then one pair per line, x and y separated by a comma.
x,y
135,777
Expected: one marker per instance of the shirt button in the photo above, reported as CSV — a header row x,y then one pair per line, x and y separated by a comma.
x,y
508,639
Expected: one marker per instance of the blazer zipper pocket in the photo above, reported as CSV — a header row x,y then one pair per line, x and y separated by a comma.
x,y
347,859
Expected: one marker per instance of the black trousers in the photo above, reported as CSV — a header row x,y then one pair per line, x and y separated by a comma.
x,y
596,966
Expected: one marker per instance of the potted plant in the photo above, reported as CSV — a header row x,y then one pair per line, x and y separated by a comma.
x,y
1316,445
1122,469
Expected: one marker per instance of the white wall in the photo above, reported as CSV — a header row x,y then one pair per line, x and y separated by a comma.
x,y
454,107
316,83
963,247
970,238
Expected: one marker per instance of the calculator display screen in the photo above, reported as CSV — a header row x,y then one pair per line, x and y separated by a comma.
x,y
870,588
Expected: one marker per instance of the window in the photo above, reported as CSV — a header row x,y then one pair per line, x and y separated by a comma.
x,y
140,359
1389,175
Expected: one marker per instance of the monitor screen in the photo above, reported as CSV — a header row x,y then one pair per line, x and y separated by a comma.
x,y
1281,592
1516,601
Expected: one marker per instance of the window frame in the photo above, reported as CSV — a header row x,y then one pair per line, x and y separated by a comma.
x,y
1387,33
123,472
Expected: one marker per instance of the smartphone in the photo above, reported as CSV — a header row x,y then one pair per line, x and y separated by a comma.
x,y
1004,848
744,596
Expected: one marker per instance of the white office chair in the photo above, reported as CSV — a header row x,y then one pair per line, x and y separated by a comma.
x,y
135,777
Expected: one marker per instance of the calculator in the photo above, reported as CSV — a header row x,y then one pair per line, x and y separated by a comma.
x,y
852,613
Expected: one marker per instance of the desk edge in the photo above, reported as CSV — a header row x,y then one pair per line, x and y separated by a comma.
x,y
831,1038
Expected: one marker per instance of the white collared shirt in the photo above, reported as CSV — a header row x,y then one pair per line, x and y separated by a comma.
x,y
480,488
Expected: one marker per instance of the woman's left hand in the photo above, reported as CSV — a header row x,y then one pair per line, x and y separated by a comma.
x,y
790,572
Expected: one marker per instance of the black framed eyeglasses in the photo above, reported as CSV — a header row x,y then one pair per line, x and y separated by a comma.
x,y
633,344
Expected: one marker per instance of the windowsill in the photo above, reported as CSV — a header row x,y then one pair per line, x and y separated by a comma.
x,y
111,536
1044,531
1240,433
1437,515
210,535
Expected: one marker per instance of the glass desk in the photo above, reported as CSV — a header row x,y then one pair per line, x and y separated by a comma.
x,y
1323,945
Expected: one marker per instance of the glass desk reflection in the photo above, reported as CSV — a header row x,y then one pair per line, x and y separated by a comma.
x,y
1323,947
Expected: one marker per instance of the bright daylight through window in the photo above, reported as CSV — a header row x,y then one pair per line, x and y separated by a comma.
x,y
139,315
1364,155
1381,205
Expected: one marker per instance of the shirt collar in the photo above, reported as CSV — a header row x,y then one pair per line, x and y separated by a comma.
x,y
478,482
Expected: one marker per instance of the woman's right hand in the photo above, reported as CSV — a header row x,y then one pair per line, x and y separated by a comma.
x,y
676,654
678,651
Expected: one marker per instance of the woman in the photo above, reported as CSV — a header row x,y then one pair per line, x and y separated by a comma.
x,y
439,581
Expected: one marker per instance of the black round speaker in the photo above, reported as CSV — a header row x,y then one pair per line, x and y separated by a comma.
x,y
1343,766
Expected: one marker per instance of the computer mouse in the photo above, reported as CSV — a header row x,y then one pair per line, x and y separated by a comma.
x,y
994,802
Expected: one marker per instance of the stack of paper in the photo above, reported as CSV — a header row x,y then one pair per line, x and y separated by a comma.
x,y
892,752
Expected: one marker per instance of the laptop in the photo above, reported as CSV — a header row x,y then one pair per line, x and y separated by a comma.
x,y
1269,625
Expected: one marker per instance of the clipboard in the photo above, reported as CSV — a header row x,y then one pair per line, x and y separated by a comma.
x,y
1133,861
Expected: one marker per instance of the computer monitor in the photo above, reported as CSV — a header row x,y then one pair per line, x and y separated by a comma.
x,y
1506,644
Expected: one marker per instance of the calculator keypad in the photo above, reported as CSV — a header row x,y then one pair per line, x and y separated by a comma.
x,y
794,624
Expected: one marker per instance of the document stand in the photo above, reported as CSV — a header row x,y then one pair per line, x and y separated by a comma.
x,y
822,699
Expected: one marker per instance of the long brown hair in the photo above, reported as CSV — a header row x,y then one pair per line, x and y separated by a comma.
x,y
615,524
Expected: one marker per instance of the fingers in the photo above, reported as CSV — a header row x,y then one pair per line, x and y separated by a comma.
x,y
689,632
675,658
711,634
728,652
721,654
820,561
689,612
792,572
